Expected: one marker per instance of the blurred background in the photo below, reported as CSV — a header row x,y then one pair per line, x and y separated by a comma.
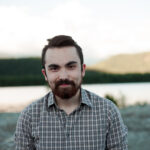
x,y
115,38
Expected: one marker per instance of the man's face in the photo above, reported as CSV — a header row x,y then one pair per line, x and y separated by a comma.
x,y
63,71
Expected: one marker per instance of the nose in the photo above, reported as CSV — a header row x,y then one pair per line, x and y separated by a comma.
x,y
63,74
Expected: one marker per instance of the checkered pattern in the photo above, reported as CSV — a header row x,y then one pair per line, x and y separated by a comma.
x,y
95,125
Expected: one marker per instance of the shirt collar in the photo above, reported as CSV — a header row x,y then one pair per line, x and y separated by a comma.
x,y
51,99
85,98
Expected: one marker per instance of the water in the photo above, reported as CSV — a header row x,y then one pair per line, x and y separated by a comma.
x,y
19,97
131,92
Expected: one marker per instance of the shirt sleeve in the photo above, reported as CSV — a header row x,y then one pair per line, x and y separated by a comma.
x,y
117,132
23,138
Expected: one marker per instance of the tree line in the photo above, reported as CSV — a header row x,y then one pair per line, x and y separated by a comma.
x,y
27,71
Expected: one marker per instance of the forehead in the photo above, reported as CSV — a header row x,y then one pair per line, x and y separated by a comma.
x,y
61,55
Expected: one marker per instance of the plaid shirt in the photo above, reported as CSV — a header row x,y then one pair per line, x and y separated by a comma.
x,y
95,125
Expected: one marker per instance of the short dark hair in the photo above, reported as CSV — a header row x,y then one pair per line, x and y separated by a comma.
x,y
61,41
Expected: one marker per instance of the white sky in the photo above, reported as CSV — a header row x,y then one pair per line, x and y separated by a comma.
x,y
102,27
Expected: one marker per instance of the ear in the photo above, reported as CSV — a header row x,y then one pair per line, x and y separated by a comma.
x,y
83,70
44,74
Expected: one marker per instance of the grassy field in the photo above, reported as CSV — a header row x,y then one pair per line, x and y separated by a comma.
x,y
137,119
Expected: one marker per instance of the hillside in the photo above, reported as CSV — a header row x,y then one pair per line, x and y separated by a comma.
x,y
5,55
125,63
27,71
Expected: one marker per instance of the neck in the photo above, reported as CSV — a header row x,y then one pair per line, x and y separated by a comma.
x,y
69,105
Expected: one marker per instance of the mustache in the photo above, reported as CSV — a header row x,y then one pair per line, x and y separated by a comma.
x,y
66,81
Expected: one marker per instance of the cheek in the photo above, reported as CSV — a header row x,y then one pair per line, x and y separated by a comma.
x,y
78,77
75,75
51,78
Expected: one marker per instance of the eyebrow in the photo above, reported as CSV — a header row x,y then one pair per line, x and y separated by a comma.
x,y
68,64
53,65
71,63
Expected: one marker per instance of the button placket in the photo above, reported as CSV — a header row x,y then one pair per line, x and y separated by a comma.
x,y
68,125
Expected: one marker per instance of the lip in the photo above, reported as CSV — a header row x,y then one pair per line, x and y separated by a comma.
x,y
64,85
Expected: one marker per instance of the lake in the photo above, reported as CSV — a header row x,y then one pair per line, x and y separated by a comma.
x,y
15,98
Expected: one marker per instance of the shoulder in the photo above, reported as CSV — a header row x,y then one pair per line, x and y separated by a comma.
x,y
101,104
35,108
105,108
97,100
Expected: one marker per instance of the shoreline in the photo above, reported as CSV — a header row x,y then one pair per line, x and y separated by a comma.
x,y
18,107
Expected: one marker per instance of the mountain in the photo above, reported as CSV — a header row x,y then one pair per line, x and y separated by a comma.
x,y
124,63
5,55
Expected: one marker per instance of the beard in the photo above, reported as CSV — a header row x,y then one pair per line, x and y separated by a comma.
x,y
68,91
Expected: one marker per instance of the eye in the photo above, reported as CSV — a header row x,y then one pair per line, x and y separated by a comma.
x,y
54,68
71,66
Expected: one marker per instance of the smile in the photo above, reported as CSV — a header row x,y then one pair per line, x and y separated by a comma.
x,y
64,85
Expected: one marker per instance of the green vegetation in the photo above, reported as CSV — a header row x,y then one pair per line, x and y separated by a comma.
x,y
114,100
23,71
101,77
137,119
7,128
120,101
27,71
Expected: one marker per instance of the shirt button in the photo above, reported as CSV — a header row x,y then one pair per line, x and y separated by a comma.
x,y
68,134
37,140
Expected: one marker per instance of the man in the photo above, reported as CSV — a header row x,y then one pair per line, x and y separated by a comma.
x,y
69,117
